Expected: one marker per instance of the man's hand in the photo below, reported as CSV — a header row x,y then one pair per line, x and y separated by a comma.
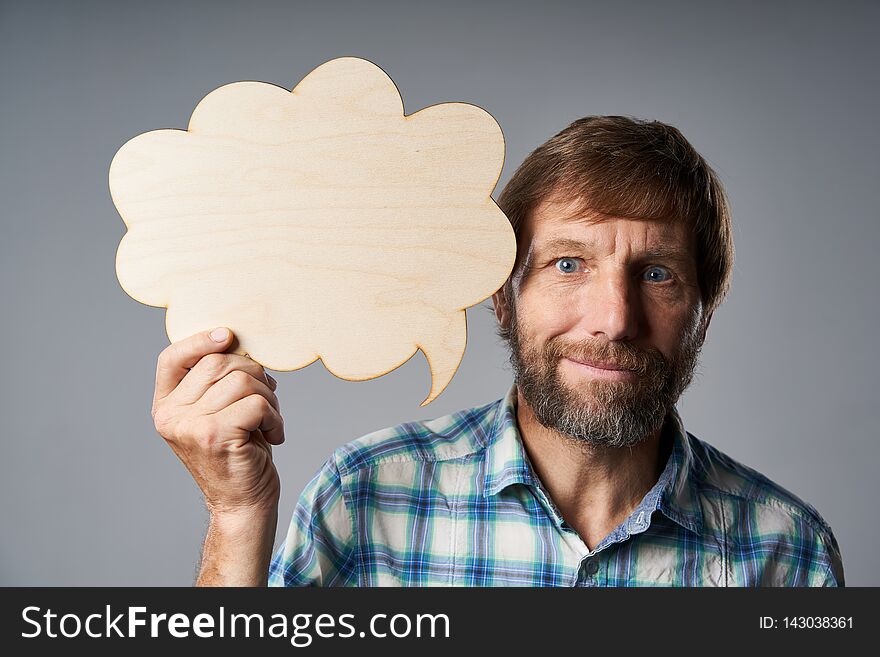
x,y
220,415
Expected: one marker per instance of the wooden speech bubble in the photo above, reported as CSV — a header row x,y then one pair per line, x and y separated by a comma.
x,y
319,223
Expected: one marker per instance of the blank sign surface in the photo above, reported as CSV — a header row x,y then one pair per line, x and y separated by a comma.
x,y
320,222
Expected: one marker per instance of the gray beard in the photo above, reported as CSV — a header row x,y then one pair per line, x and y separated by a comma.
x,y
604,413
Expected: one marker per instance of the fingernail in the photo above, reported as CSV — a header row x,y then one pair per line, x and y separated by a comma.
x,y
220,334
272,380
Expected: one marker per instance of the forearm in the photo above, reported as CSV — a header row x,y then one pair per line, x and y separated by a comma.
x,y
238,549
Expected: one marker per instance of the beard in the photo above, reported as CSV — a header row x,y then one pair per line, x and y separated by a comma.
x,y
599,412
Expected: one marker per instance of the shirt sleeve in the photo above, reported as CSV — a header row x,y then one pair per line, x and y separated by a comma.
x,y
319,548
833,574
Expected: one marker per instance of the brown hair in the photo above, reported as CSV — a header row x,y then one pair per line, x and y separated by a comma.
x,y
625,167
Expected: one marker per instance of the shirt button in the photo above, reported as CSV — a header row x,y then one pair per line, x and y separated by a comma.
x,y
592,566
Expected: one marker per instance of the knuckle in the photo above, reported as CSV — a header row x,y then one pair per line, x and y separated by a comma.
x,y
259,402
213,364
238,378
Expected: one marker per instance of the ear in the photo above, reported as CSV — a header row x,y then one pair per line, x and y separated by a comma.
x,y
501,306
706,326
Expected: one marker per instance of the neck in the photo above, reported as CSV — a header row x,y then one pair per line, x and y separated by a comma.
x,y
595,488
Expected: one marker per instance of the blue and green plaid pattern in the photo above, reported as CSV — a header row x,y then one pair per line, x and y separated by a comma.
x,y
454,502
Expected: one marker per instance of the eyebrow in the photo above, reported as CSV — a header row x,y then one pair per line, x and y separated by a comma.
x,y
567,244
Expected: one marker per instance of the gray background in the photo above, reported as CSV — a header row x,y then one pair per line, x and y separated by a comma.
x,y
780,97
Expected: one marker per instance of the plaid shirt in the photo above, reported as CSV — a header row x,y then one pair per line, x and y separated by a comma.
x,y
454,501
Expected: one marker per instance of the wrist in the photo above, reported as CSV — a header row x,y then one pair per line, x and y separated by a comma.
x,y
265,506
243,519
238,547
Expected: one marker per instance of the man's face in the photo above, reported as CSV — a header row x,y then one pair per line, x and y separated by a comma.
x,y
605,323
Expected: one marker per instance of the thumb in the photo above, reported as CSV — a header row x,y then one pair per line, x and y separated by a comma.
x,y
177,359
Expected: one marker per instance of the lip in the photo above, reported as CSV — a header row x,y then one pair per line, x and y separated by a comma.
x,y
603,370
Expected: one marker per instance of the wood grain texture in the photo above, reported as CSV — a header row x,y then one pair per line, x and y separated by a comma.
x,y
320,222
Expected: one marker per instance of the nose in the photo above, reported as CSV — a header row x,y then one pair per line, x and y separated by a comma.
x,y
613,309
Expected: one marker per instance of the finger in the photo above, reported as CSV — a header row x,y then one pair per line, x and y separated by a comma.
x,y
232,387
253,413
176,360
212,368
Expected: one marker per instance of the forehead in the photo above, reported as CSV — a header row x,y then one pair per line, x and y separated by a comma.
x,y
559,223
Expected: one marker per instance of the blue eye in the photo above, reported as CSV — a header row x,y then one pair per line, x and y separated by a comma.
x,y
566,265
657,274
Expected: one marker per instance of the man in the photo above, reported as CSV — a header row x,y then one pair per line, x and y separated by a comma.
x,y
583,473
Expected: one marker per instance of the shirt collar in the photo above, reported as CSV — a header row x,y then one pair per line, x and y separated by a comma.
x,y
506,462
674,494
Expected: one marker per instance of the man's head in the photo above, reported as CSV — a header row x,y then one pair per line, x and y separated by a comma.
x,y
624,251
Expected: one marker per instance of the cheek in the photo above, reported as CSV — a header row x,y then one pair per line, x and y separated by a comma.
x,y
671,326
546,314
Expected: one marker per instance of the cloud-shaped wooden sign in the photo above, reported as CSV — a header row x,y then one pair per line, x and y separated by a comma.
x,y
321,222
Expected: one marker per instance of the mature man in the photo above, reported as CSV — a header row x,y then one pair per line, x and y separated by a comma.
x,y
583,473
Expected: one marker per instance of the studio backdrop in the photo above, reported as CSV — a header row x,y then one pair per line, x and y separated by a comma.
x,y
780,97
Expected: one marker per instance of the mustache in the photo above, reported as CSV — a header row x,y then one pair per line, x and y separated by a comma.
x,y
622,355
